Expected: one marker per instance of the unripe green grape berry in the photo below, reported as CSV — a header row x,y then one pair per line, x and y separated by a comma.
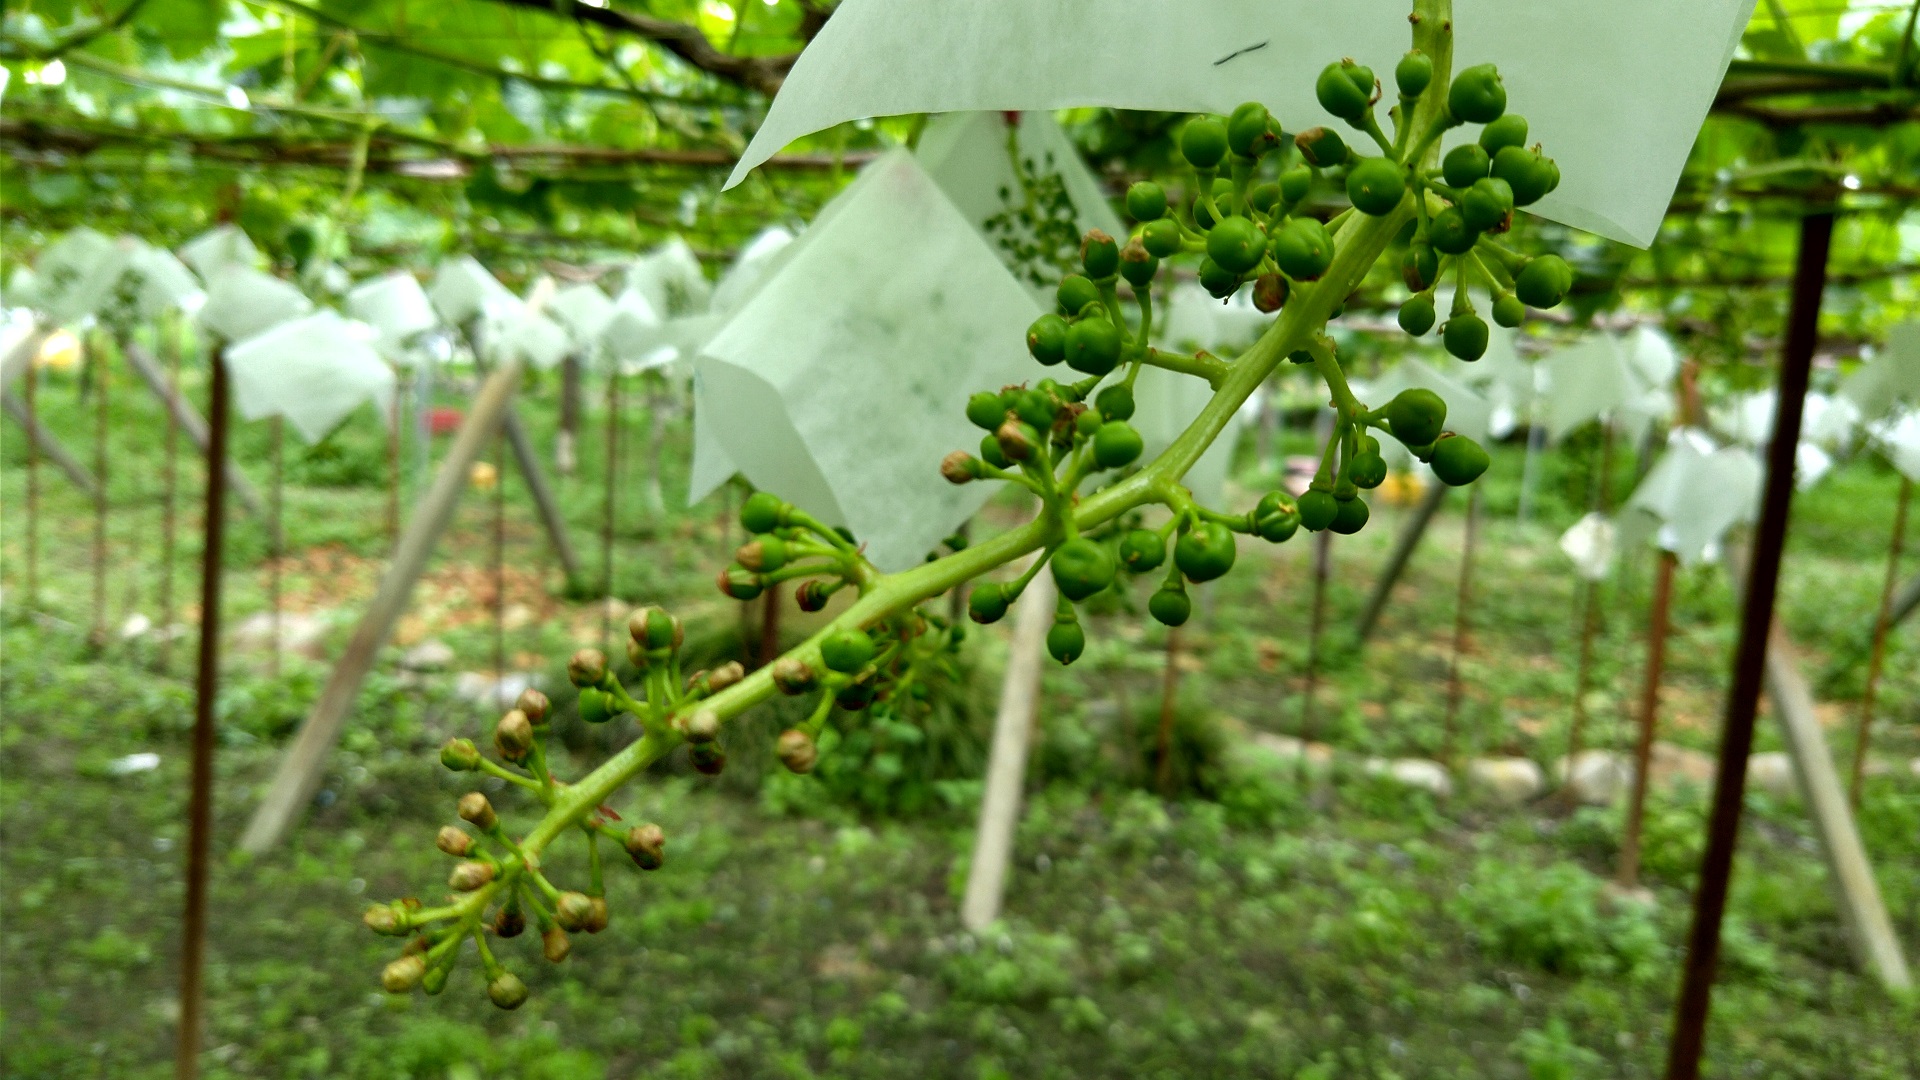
x,y
1420,266
848,650
1449,232
1087,421
1203,142
1236,244
1075,293
1295,183
762,555
1264,197
1170,606
1321,147
1302,249
855,697
990,451
1116,445
571,911
985,409
763,512
1142,550
1527,173
1081,568
1339,91
1417,314
1486,204
1543,282
1270,293
1036,407
1161,238
507,991
739,583
1115,402
435,980
1250,130
1376,186
1477,95
1369,471
1276,517
1465,336
1205,552
1509,130
1458,460
1099,254
1137,265
1508,310
1416,416
1146,201
1222,200
1349,516
1046,340
460,755
1219,281
1093,346
1413,73
1066,640
596,706
1317,508
1464,164
988,603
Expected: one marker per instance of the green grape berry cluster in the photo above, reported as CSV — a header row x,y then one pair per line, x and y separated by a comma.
x,y
1069,440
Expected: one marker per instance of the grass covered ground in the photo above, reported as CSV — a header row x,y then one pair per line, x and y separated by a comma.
x,y
1250,926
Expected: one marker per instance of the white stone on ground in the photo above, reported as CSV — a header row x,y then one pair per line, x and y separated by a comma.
x,y
1511,780
1772,772
430,655
1597,777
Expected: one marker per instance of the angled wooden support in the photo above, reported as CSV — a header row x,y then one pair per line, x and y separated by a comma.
x,y
1007,760
1904,602
49,446
189,421
1855,893
1403,549
306,760
543,500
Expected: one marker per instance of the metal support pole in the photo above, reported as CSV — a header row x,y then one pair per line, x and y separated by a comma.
x,y
206,689
1659,624
1749,669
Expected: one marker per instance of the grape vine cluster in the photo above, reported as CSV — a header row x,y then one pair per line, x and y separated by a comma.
x,y
1068,441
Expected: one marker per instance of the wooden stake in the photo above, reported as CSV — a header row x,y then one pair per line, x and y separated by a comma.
x,y
564,457
277,432
206,690
97,369
499,564
305,762
1659,623
1169,695
1881,624
1403,549
393,463
1598,500
1756,619
769,627
190,422
1007,760
169,494
1462,604
1322,569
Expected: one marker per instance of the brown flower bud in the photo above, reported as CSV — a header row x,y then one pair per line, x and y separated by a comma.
x,y
513,735
754,555
793,676
389,919
1269,293
1015,439
507,991
588,667
475,808
416,945
637,655
739,583
470,875
725,675
797,751
572,910
597,915
812,595
535,705
403,974
958,468
460,755
509,923
647,844
454,840
708,758
555,943
703,726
